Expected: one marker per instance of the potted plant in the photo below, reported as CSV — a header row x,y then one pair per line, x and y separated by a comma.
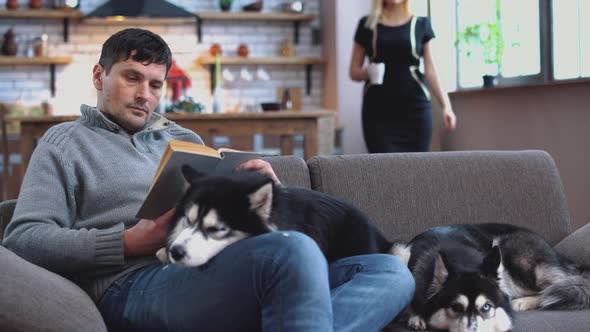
x,y
488,37
225,5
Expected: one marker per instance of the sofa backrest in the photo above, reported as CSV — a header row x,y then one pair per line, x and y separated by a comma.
x,y
291,170
408,192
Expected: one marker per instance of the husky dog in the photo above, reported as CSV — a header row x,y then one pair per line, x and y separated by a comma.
x,y
472,277
217,211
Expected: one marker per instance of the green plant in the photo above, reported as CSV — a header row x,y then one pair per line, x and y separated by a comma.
x,y
225,4
488,36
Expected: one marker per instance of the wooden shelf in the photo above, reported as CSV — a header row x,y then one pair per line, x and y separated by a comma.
x,y
37,61
255,16
308,62
209,60
138,20
44,13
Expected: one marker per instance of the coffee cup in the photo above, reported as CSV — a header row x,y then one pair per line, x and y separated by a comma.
x,y
376,72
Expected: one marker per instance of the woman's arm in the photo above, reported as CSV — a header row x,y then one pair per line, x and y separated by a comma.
x,y
449,118
357,72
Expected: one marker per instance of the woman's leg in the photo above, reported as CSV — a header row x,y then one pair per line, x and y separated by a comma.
x,y
272,282
369,291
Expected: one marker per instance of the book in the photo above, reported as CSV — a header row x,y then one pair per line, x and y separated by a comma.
x,y
169,184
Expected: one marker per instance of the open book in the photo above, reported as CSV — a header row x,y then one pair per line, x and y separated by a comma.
x,y
168,184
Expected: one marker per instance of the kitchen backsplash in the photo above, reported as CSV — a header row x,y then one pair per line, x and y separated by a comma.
x,y
73,81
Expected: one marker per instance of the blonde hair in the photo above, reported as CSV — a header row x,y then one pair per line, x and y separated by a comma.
x,y
375,16
377,10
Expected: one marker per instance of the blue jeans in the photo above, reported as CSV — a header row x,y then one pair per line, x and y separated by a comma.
x,y
278,281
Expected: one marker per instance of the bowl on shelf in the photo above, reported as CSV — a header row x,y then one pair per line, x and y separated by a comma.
x,y
271,106
253,7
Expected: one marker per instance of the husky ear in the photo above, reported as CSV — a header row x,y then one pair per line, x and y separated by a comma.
x,y
491,262
190,174
441,273
261,202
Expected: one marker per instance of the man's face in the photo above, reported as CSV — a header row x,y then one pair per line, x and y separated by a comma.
x,y
130,92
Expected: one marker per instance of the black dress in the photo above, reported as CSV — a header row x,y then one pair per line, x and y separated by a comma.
x,y
397,115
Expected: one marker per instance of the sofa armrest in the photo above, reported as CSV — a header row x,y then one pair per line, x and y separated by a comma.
x,y
34,299
575,246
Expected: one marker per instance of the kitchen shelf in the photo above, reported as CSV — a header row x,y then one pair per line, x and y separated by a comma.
x,y
44,13
308,62
135,21
37,61
277,60
296,18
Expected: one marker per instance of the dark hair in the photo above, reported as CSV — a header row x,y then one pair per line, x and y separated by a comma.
x,y
149,47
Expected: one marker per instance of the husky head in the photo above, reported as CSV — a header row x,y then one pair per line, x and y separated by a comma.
x,y
470,301
215,212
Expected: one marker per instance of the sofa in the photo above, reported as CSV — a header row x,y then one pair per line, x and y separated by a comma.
x,y
403,193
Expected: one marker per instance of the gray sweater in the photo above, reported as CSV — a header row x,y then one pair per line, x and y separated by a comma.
x,y
84,184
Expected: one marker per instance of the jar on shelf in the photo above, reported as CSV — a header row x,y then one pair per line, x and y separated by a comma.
x,y
40,45
287,48
9,46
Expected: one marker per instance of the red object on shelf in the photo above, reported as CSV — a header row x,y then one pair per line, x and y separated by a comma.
x,y
178,80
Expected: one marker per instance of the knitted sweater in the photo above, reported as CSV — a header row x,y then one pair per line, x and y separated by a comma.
x,y
84,184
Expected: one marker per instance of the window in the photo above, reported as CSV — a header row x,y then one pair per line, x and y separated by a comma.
x,y
525,40
571,39
504,37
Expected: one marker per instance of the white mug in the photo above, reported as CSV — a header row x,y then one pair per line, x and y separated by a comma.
x,y
376,72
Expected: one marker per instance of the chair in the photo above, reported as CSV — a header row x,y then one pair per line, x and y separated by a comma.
x,y
5,153
6,210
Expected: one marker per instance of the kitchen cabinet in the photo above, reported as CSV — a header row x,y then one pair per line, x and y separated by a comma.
x,y
44,14
37,61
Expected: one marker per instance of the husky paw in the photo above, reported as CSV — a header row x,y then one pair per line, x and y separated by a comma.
x,y
162,255
416,323
526,303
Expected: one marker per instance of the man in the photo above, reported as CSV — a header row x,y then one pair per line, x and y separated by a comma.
x,y
87,179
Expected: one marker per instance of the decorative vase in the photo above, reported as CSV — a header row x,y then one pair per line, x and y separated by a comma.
x,y
489,81
225,5
35,4
9,46
12,4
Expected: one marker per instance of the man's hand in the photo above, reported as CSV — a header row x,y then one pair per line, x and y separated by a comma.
x,y
147,236
261,166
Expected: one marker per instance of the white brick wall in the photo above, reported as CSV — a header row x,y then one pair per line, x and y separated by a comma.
x,y
73,81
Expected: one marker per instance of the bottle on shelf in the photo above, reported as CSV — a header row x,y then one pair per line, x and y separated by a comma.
x,y
287,102
216,107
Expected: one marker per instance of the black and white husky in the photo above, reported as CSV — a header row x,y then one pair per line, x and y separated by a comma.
x,y
472,277
217,211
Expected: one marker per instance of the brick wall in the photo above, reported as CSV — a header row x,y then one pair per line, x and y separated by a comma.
x,y
73,81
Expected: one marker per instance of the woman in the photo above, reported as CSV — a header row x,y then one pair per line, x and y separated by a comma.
x,y
397,113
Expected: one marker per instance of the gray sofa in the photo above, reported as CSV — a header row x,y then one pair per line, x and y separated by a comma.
x,y
403,193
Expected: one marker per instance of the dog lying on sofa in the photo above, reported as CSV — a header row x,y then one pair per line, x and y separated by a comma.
x,y
472,277
217,211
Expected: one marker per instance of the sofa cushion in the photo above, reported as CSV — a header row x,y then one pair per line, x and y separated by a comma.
x,y
406,193
575,246
34,299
